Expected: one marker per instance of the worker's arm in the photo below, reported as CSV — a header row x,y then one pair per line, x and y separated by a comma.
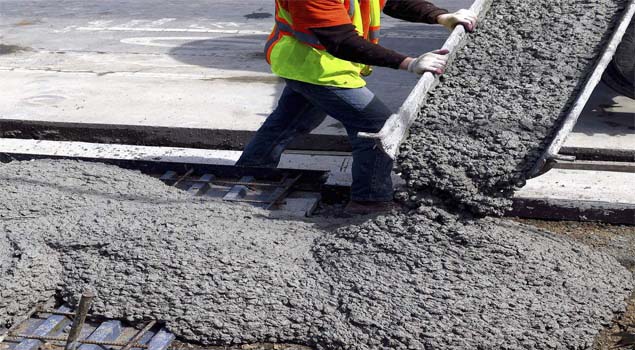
x,y
414,11
330,22
425,12
343,42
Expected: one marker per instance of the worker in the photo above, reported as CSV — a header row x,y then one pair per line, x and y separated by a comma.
x,y
323,49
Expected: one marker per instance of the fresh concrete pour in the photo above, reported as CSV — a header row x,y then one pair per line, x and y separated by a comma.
x,y
225,274
484,127
29,271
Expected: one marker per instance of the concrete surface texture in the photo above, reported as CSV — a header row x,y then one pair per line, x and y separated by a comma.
x,y
580,194
578,186
616,240
606,126
190,64
225,274
29,269
485,125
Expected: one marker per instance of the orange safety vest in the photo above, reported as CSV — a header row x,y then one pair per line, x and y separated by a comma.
x,y
297,54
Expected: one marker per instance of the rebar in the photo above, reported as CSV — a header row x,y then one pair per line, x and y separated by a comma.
x,y
139,335
80,318
180,179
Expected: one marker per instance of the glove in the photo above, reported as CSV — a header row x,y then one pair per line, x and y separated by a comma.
x,y
466,18
434,62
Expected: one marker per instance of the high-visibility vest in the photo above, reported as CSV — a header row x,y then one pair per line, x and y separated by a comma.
x,y
298,55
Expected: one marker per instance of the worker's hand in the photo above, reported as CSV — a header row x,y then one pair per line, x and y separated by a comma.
x,y
466,18
433,62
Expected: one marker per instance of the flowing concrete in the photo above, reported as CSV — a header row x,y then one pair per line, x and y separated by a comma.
x,y
485,125
598,189
225,274
29,269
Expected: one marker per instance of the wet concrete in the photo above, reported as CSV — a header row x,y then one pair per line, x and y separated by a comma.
x,y
29,272
483,128
616,240
223,274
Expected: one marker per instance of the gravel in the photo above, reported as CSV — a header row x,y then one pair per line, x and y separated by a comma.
x,y
485,126
29,273
224,274
488,284
616,240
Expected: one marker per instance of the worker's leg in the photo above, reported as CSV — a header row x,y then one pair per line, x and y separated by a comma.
x,y
293,116
358,110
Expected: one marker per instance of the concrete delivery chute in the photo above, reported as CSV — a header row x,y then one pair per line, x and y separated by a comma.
x,y
396,128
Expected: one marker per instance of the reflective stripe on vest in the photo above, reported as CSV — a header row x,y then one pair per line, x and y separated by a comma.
x,y
306,38
373,34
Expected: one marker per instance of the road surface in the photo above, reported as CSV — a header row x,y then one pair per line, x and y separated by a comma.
x,y
184,70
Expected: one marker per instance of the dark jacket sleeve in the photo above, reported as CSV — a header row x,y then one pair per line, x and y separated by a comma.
x,y
344,43
413,10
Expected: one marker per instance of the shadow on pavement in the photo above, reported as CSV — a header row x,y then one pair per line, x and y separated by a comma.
x,y
227,52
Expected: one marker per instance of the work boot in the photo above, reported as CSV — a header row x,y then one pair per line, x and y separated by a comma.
x,y
367,208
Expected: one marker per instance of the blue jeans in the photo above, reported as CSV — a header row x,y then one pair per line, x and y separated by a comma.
x,y
302,107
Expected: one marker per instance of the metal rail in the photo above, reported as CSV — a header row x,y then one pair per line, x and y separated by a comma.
x,y
395,130
552,152
53,312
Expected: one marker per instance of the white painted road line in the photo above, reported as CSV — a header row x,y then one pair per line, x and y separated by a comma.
x,y
160,41
174,30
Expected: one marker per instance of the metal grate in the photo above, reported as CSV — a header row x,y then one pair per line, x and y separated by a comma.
x,y
62,328
272,194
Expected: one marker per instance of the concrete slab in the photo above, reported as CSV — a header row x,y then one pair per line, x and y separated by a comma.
x,y
606,128
140,66
574,194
